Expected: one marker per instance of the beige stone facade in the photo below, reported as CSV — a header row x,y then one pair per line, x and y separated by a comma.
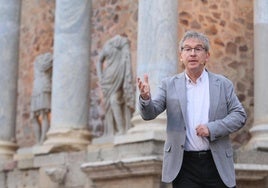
x,y
230,27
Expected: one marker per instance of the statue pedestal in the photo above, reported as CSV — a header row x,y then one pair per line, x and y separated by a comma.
x,y
132,160
133,172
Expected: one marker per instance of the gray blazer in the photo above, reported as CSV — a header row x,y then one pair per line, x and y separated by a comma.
x,y
226,115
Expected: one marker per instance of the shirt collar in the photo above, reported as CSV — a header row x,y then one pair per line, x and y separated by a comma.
x,y
202,77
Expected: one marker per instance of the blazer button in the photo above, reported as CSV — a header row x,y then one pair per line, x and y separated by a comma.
x,y
182,146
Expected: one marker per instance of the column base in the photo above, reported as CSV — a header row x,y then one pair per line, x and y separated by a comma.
x,y
251,175
64,140
7,150
141,126
251,168
259,138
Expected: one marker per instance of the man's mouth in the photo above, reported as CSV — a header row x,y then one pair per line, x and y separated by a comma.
x,y
193,61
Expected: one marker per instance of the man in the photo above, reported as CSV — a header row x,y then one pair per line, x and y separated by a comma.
x,y
202,111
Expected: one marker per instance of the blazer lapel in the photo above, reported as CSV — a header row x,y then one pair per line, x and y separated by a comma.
x,y
214,90
180,89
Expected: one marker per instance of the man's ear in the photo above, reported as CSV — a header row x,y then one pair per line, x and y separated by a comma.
x,y
180,56
208,55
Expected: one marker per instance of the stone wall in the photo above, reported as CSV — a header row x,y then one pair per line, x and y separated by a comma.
x,y
229,24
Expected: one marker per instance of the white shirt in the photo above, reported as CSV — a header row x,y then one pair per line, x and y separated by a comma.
x,y
197,111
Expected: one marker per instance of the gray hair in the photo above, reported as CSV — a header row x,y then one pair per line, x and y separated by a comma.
x,y
196,35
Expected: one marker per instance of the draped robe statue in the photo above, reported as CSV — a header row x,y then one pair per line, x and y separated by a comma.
x,y
115,75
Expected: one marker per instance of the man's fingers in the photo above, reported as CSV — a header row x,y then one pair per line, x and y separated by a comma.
x,y
202,130
143,85
146,79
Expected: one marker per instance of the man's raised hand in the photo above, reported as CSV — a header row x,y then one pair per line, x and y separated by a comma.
x,y
144,87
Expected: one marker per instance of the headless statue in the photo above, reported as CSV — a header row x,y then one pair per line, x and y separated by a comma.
x,y
41,96
115,75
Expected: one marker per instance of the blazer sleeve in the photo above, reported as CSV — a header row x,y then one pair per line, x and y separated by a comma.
x,y
151,108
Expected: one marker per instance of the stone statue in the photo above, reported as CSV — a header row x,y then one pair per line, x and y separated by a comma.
x,y
41,96
115,75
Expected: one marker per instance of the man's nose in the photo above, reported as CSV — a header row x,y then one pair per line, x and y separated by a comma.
x,y
193,52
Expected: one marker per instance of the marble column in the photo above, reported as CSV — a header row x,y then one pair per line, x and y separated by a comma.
x,y
9,50
259,130
70,80
157,54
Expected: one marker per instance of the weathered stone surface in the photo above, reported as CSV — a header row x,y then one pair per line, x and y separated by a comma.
x,y
133,172
22,178
25,164
251,168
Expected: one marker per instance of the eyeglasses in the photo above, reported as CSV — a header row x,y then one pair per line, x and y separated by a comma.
x,y
197,49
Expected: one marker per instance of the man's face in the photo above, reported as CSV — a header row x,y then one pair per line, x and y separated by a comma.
x,y
193,55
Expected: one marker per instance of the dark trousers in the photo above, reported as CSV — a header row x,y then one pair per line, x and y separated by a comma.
x,y
198,171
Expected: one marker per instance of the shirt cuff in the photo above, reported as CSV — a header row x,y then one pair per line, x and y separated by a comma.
x,y
144,102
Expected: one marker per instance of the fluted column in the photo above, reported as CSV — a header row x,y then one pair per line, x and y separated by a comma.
x,y
157,53
9,46
70,80
157,48
259,130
